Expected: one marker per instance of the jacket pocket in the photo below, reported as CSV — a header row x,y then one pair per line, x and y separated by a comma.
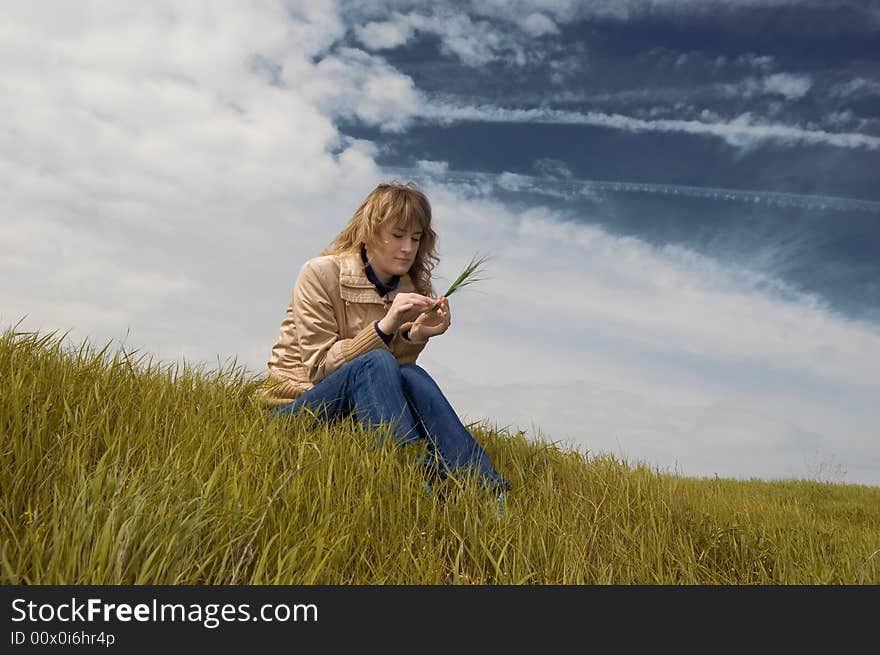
x,y
356,315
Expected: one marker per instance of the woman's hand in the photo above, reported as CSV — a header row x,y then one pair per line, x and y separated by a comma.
x,y
433,323
405,307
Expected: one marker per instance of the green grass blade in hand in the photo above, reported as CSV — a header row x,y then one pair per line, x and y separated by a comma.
x,y
469,275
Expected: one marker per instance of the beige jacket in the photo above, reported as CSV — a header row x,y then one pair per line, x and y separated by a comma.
x,y
328,323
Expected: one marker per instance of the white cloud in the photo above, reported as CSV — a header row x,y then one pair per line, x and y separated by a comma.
x,y
686,95
475,37
791,86
380,35
537,24
551,167
353,84
159,172
514,181
858,87
839,119
432,167
566,66
474,42
753,60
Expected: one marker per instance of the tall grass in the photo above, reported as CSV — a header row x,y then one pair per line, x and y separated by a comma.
x,y
116,469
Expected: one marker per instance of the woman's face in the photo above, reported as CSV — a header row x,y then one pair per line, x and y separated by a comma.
x,y
396,251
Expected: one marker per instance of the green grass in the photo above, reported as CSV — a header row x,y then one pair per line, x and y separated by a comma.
x,y
470,275
116,469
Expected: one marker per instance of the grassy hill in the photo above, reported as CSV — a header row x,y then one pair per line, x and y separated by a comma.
x,y
116,469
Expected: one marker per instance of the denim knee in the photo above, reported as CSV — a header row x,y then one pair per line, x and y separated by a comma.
x,y
415,369
415,372
381,363
418,380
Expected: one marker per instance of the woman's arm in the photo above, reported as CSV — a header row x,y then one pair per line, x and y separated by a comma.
x,y
406,349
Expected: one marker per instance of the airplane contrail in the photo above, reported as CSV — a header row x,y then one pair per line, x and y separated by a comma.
x,y
571,188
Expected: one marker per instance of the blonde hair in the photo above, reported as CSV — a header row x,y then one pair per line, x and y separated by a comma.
x,y
393,204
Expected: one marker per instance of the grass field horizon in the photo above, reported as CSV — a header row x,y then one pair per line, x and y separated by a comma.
x,y
119,470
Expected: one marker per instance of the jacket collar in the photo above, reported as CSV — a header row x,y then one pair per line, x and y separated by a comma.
x,y
354,285
381,287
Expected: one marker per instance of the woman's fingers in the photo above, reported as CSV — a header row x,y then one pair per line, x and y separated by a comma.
x,y
419,300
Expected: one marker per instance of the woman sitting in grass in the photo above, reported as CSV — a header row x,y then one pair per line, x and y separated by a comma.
x,y
356,323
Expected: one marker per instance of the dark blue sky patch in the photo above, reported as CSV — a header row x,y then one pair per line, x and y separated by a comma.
x,y
654,157
812,248
668,59
795,36
785,213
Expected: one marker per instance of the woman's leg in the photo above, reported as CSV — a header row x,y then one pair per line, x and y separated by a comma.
x,y
369,387
453,445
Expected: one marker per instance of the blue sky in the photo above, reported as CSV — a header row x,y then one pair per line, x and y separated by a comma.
x,y
680,199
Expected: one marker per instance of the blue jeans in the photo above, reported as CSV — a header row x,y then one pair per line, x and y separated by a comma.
x,y
377,390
